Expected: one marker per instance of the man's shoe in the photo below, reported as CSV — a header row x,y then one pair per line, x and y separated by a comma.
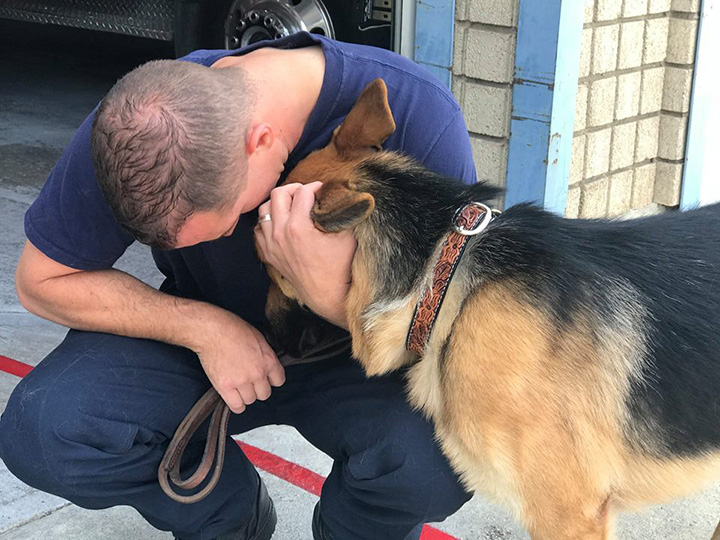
x,y
261,524
319,530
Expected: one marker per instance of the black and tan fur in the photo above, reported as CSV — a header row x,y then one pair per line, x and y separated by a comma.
x,y
574,370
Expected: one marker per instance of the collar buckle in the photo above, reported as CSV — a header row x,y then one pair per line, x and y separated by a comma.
x,y
467,220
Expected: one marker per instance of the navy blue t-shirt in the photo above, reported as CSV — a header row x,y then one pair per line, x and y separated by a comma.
x,y
71,223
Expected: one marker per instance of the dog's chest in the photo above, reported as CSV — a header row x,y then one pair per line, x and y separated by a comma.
x,y
425,378
424,387
478,470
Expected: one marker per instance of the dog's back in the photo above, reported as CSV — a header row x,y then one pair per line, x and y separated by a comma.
x,y
673,262
592,342
663,272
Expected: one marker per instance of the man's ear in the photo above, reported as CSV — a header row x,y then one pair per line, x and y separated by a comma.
x,y
369,123
260,137
338,207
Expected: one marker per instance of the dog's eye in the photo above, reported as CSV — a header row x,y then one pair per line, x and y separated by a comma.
x,y
377,148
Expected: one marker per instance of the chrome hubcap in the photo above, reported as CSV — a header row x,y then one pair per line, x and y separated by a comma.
x,y
250,21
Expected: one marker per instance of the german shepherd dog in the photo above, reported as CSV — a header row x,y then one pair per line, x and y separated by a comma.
x,y
574,367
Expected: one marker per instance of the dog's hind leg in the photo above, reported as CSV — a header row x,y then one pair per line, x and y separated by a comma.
x,y
561,502
578,531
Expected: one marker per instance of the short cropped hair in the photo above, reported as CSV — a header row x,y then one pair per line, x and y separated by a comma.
x,y
167,141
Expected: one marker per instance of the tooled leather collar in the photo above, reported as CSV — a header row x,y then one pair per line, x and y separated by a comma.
x,y
469,220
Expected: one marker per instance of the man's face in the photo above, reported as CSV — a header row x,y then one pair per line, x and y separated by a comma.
x,y
214,224
264,167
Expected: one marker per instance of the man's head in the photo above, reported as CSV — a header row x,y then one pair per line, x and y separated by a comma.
x,y
169,142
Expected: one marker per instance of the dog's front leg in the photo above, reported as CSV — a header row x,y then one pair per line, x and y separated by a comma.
x,y
553,522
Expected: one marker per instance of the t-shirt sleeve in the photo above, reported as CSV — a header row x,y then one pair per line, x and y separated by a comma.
x,y
70,221
451,154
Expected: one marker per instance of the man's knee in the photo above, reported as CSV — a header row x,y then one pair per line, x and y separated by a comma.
x,y
88,409
406,469
29,434
52,437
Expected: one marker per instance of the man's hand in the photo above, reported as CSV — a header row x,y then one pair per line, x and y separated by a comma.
x,y
239,362
316,263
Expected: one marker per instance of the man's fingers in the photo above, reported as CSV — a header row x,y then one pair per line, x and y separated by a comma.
x,y
281,201
262,232
304,199
276,375
263,209
266,226
279,208
262,390
302,205
247,392
314,186
234,401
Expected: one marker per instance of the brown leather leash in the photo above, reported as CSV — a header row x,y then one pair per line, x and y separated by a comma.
x,y
212,404
470,219
169,470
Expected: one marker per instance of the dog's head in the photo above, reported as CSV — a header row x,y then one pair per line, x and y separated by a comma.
x,y
339,205
398,209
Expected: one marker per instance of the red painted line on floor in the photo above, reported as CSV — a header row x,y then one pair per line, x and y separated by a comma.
x,y
308,480
430,533
292,473
13,367
287,470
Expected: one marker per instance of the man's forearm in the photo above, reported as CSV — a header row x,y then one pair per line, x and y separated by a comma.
x,y
235,356
115,302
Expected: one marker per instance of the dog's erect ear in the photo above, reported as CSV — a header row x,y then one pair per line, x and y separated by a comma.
x,y
337,207
369,122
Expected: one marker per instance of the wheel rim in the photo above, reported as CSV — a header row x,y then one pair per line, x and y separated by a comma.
x,y
250,21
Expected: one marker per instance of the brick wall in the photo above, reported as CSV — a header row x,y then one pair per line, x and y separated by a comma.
x,y
483,64
633,100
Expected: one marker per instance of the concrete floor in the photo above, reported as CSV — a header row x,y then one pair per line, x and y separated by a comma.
x,y
50,79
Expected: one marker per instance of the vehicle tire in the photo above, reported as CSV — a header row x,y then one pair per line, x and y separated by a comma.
x,y
219,24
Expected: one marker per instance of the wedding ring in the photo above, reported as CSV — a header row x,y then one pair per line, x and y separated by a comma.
x,y
265,217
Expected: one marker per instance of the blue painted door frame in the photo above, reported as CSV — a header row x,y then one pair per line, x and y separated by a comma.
x,y
544,93
547,63
544,90
434,33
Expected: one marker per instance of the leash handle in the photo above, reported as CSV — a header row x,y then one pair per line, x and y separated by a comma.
x,y
212,404
169,469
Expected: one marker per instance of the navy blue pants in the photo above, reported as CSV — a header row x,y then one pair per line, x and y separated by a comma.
x,y
91,422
